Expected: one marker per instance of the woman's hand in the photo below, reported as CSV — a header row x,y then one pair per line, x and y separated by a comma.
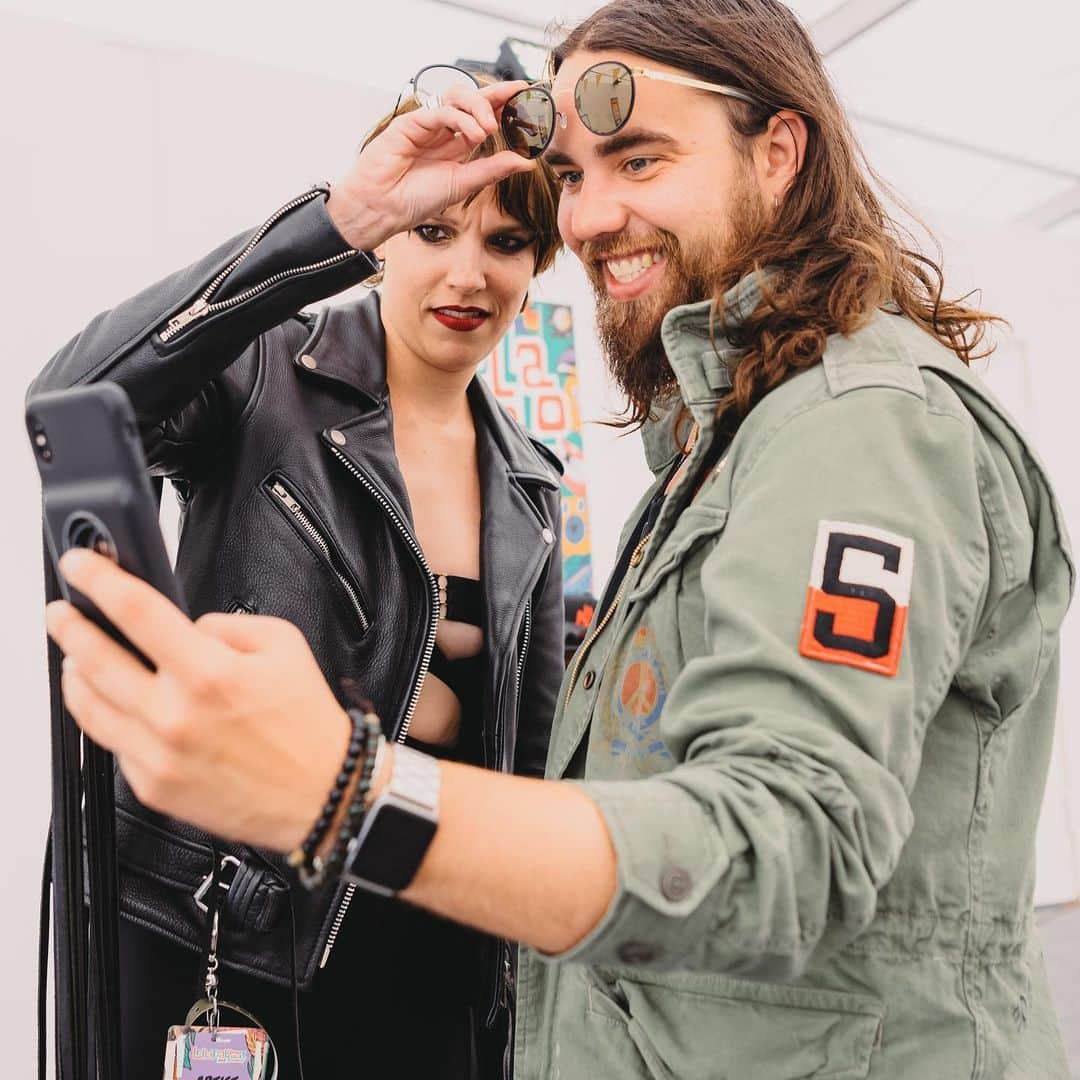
x,y
419,166
236,731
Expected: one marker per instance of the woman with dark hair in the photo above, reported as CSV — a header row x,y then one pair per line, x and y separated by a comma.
x,y
346,471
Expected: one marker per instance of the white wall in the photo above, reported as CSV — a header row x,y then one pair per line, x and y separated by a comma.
x,y
121,162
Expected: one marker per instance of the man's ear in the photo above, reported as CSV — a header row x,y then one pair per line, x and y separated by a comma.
x,y
783,154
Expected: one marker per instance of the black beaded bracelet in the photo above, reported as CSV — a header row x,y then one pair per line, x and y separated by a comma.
x,y
359,750
354,817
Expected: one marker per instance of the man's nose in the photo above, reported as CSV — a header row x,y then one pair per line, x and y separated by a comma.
x,y
595,214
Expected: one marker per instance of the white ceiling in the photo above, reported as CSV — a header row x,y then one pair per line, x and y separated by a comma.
x,y
963,106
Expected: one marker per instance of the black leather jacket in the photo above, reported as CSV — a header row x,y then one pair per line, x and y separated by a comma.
x,y
249,399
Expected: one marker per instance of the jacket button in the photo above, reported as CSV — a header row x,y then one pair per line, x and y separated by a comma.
x,y
548,536
675,883
337,437
590,678
308,361
636,952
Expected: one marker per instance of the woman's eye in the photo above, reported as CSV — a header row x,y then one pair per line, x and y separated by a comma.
x,y
431,234
570,179
509,244
639,164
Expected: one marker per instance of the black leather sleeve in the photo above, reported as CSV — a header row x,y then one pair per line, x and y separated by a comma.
x,y
252,283
544,664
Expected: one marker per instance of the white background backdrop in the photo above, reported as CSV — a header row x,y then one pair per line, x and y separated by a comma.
x,y
131,142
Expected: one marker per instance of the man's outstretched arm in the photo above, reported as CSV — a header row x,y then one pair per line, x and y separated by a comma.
x,y
237,732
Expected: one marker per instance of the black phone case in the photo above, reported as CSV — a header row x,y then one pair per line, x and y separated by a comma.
x,y
96,488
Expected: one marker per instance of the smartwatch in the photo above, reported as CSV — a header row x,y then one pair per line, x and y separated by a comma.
x,y
384,857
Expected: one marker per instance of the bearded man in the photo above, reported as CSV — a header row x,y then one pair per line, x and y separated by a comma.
x,y
796,767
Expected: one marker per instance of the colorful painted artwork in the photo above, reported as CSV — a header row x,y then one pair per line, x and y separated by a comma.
x,y
533,374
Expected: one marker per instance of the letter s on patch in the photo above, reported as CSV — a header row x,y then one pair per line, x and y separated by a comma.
x,y
857,603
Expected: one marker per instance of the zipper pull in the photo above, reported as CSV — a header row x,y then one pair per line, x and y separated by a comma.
x,y
185,318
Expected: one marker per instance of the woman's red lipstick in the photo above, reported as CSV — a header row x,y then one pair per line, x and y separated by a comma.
x,y
462,319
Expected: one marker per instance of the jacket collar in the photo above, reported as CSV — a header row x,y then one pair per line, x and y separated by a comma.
x,y
341,336
702,360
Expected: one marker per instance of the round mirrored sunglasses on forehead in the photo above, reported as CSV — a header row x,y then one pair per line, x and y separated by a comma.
x,y
603,98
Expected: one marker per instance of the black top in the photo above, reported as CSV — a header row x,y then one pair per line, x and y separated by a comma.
x,y
462,601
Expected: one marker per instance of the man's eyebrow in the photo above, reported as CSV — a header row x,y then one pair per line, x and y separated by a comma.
x,y
617,144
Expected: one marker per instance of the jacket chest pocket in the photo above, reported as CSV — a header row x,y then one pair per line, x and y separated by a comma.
x,y
670,588
282,494
697,527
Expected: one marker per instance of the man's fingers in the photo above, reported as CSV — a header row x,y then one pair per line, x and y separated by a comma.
x,y
151,622
108,666
112,728
244,633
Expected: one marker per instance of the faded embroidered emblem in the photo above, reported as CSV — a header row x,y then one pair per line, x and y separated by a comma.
x,y
639,701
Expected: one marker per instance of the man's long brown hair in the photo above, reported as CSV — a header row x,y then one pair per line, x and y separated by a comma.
x,y
835,254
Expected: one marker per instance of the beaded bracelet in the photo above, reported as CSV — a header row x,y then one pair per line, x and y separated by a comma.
x,y
350,827
363,741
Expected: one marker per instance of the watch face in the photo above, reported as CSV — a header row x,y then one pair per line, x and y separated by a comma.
x,y
390,847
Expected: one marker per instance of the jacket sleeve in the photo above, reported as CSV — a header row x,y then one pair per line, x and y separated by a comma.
x,y
790,801
168,346
545,662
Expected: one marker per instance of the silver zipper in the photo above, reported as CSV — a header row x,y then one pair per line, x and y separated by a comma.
x,y
635,560
282,494
522,655
502,974
425,660
203,307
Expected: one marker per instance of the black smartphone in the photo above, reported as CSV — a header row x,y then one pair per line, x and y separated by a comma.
x,y
96,489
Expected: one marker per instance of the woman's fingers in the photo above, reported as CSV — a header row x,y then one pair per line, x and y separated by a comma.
x,y
474,103
429,123
476,175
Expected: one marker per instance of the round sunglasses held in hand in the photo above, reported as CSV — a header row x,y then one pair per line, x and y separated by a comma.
x,y
527,120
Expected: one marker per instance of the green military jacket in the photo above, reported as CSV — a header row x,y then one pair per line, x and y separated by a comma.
x,y
818,723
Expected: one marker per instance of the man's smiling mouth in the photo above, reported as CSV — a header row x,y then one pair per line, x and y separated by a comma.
x,y
629,267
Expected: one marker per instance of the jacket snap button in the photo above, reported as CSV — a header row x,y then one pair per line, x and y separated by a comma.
x,y
337,437
675,883
548,536
590,678
308,362
636,952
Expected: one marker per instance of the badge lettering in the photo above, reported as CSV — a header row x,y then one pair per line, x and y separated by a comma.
x,y
856,606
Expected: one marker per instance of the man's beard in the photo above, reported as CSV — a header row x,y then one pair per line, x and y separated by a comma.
x,y
698,269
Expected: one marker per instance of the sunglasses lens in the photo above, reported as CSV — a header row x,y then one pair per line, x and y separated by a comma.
x,y
528,120
433,82
604,96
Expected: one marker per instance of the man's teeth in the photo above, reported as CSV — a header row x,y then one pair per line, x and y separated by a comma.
x,y
625,270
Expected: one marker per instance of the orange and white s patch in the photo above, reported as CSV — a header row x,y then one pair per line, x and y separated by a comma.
x,y
857,603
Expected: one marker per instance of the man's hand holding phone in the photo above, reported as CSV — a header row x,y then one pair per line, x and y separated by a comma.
x,y
236,725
